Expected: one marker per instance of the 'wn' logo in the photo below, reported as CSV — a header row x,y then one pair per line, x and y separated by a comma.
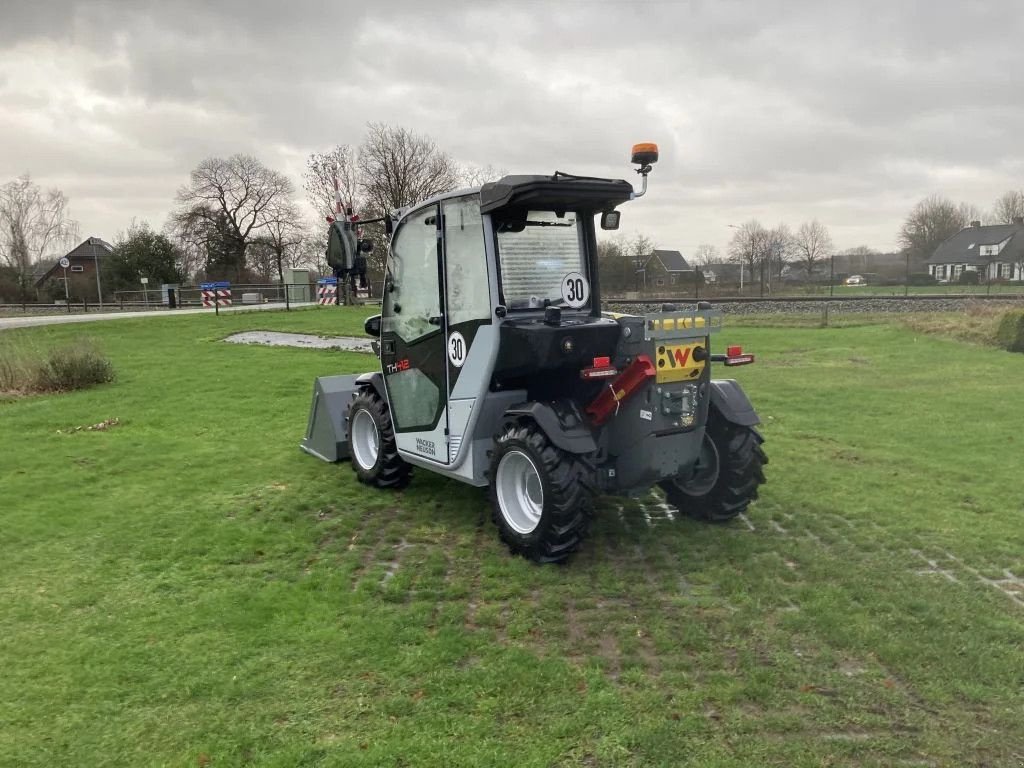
x,y
678,357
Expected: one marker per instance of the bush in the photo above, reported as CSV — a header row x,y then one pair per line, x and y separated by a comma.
x,y
922,278
969,277
78,365
1010,334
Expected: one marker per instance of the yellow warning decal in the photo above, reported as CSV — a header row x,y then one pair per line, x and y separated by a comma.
x,y
675,362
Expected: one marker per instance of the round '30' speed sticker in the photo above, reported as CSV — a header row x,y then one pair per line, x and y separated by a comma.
x,y
457,349
575,290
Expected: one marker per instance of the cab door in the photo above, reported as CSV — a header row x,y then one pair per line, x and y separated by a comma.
x,y
413,337
470,338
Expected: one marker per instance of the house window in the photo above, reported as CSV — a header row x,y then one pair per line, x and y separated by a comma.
x,y
673,279
1005,271
77,268
660,281
957,270
940,271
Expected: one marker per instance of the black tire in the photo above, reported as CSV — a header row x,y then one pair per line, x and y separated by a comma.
x,y
568,495
740,472
388,470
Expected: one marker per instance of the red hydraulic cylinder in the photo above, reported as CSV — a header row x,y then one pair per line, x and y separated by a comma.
x,y
606,404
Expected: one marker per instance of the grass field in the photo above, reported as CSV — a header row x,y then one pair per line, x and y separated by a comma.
x,y
187,588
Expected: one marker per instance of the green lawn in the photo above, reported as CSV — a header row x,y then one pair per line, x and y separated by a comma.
x,y
190,589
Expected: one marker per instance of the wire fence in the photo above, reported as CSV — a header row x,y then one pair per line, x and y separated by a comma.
x,y
288,294
252,295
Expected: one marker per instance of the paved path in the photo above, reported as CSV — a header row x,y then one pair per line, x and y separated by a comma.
x,y
24,322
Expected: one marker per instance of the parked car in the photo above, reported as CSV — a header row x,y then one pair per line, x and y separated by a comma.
x,y
855,280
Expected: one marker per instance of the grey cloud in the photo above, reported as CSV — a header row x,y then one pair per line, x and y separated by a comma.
x,y
781,110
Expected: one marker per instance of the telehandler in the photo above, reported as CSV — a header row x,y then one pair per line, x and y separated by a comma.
x,y
499,368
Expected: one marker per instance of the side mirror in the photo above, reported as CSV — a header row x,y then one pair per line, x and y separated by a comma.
x,y
372,326
366,246
610,219
389,225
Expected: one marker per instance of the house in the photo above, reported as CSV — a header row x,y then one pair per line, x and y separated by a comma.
x,y
665,268
84,260
995,252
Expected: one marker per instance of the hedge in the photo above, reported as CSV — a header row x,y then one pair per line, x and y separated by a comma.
x,y
1010,335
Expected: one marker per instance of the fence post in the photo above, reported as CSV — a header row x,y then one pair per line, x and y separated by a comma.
x,y
287,299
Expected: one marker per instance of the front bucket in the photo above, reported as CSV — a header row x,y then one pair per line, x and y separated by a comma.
x,y
327,430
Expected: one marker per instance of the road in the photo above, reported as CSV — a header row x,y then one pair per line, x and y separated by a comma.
x,y
24,322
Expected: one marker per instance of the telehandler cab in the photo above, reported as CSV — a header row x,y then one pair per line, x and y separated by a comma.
x,y
499,368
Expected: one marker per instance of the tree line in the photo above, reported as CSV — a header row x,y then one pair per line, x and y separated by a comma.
x,y
236,218
240,220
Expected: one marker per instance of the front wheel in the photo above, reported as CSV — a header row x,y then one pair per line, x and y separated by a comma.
x,y
371,442
726,477
541,496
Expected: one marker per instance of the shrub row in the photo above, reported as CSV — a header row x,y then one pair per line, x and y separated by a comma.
x,y
25,369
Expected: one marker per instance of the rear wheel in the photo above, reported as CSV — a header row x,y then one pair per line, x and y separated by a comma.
x,y
371,441
541,496
727,474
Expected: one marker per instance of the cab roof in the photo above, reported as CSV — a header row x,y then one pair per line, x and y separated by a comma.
x,y
558,191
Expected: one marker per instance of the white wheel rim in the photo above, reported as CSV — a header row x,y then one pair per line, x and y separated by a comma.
x,y
519,491
365,439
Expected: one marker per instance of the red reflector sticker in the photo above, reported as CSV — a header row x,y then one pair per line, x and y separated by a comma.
x,y
733,351
602,362
739,360
598,373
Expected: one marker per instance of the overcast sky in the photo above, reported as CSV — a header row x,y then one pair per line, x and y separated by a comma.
x,y
846,112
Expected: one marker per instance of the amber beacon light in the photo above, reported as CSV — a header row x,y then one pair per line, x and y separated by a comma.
x,y
645,155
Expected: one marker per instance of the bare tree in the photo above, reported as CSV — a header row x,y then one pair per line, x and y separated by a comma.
x,y
231,199
398,168
283,235
1009,207
749,246
705,255
33,225
929,223
812,245
322,168
640,248
778,251
477,176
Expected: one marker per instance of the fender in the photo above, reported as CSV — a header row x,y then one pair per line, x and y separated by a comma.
x,y
729,399
560,422
375,381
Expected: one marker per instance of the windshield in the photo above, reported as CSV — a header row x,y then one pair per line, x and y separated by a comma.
x,y
535,253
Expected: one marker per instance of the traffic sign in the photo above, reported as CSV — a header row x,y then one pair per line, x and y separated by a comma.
x,y
145,281
65,262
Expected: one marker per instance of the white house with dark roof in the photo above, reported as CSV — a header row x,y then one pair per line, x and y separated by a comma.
x,y
664,268
994,252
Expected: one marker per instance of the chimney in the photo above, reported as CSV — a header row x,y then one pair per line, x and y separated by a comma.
x,y
1018,219
975,223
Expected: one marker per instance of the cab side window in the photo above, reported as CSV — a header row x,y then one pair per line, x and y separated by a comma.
x,y
465,261
415,298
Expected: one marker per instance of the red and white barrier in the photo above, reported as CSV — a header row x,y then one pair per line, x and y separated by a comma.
x,y
326,294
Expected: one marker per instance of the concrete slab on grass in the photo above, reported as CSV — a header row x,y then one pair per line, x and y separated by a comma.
x,y
303,340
